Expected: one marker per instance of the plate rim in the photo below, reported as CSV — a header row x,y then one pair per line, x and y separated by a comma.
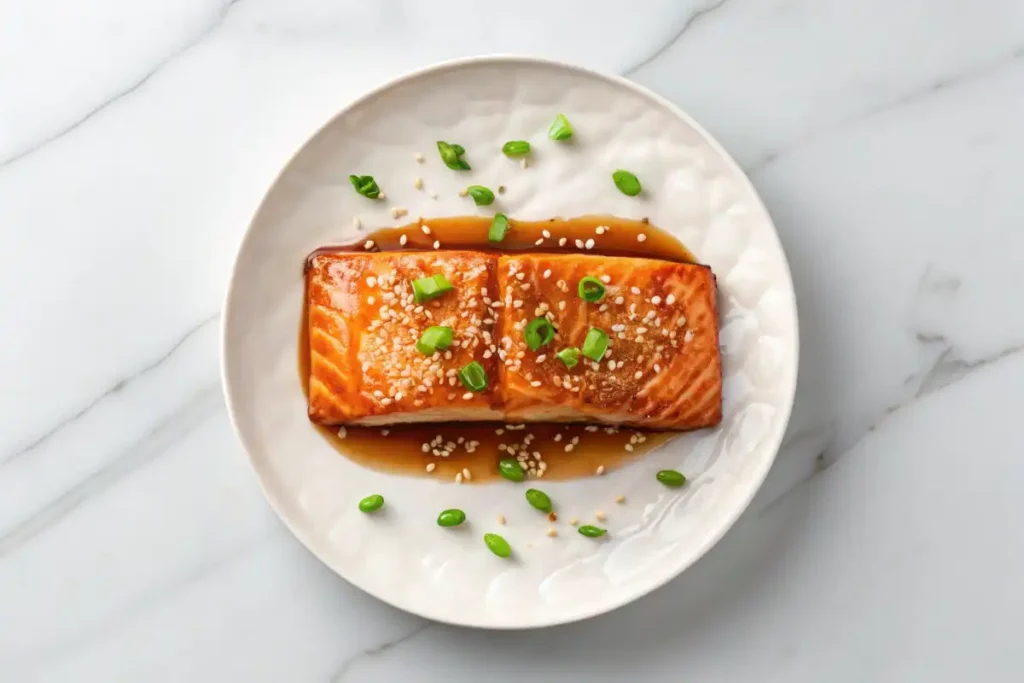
x,y
728,520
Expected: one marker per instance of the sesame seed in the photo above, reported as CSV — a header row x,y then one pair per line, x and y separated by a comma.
x,y
600,230
463,192
418,157
552,532
599,515
425,229
368,244
558,437
539,242
562,241
437,244
568,447
611,365
501,519
547,235
590,244
431,466
381,197
600,469
466,474
606,279
574,521
655,300
620,499
547,273
670,299
356,223
458,477
638,375
657,368
398,211
542,357
342,432
619,300
641,237
523,163
579,244
629,447
403,239
433,195
535,383
467,396
418,183
385,432
520,276
385,401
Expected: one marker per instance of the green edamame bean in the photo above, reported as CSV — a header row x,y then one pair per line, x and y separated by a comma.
x,y
511,469
671,478
538,499
453,517
372,503
498,545
592,531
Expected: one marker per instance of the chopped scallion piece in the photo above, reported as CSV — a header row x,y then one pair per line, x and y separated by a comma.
x,y
560,128
482,196
427,288
538,333
569,356
627,183
516,148
435,338
595,344
473,377
499,227
365,185
591,289
451,155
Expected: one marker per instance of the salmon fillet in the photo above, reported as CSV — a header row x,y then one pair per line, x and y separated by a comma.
x,y
662,368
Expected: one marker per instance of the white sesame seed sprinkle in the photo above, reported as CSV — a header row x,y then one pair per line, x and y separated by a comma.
x,y
523,163
437,244
641,237
589,244
600,230
356,223
342,432
403,239
547,235
638,374
418,183
670,299
562,241
425,229
600,469
579,244
398,211
606,279
655,300
368,244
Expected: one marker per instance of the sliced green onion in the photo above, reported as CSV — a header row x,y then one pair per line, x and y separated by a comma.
x,y
569,356
516,148
591,289
560,128
365,185
473,377
481,195
435,338
539,332
627,183
427,288
595,344
499,227
451,155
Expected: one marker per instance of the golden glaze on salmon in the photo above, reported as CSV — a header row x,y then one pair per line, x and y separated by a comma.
x,y
662,368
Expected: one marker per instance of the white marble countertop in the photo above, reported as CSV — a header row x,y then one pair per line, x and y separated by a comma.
x,y
136,139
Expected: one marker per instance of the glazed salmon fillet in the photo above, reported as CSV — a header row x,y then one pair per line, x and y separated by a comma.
x,y
662,368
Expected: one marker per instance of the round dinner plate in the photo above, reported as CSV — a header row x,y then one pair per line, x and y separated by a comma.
x,y
692,189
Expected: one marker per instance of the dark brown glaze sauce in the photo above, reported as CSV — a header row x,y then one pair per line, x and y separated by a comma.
x,y
399,448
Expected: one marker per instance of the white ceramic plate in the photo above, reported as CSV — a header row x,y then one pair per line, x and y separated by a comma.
x,y
691,188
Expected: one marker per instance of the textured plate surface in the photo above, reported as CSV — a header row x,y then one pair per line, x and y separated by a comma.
x,y
691,188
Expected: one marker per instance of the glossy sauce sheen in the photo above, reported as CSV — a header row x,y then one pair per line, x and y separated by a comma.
x,y
399,448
